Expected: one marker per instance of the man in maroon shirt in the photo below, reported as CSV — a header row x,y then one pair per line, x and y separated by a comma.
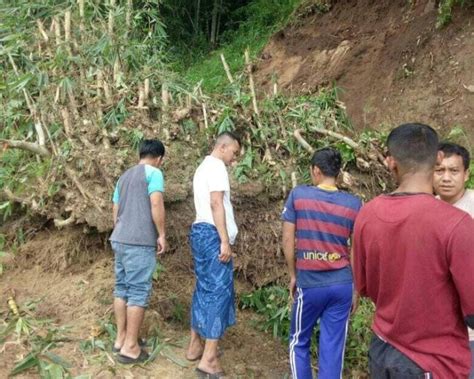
x,y
414,257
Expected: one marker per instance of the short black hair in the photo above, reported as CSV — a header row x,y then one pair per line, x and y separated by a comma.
x,y
328,160
449,149
413,145
151,148
230,135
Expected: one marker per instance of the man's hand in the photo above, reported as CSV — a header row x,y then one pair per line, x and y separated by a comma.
x,y
161,245
355,302
292,287
226,252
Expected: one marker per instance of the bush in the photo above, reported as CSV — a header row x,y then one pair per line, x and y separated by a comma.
x,y
274,305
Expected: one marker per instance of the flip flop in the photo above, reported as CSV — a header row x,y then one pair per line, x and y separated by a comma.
x,y
207,375
123,359
141,343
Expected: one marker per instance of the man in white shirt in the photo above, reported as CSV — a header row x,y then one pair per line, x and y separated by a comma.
x,y
449,182
211,237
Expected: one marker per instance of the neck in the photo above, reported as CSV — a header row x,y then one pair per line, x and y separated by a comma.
x,y
326,182
147,161
416,183
216,154
454,199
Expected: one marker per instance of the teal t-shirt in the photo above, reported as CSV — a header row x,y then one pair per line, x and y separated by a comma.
x,y
154,178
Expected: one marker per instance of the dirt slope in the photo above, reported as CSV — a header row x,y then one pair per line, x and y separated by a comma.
x,y
73,289
387,56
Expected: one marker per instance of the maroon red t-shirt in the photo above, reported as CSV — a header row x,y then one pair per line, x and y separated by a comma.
x,y
414,257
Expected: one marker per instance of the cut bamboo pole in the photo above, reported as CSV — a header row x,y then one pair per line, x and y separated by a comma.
x,y
82,27
251,83
102,83
117,70
66,121
294,181
227,69
57,30
146,88
32,109
203,105
73,104
128,16
67,26
141,97
165,96
111,18
42,31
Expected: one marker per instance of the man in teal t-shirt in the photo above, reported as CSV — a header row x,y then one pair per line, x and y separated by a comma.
x,y
138,236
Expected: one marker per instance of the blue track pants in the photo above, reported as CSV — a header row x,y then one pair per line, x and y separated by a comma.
x,y
330,306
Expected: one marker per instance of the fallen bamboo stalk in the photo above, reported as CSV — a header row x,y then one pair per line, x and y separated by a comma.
x,y
42,31
28,146
227,69
251,83
13,198
338,136
302,141
59,223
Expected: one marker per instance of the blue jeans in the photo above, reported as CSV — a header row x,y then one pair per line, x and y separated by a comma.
x,y
134,267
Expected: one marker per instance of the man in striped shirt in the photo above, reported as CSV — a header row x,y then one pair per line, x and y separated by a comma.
x,y
320,219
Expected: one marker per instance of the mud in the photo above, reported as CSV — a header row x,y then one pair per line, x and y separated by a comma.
x,y
388,58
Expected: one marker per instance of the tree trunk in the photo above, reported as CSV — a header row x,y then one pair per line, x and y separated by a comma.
x,y
196,17
215,12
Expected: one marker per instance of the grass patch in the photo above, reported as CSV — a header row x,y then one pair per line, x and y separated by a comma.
x,y
273,304
262,19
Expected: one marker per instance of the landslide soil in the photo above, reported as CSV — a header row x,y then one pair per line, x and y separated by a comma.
x,y
391,62
70,276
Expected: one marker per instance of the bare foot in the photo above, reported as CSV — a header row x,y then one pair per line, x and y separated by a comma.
x,y
195,350
131,351
210,365
119,342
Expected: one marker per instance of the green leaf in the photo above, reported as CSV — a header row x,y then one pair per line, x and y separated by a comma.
x,y
173,358
57,359
31,360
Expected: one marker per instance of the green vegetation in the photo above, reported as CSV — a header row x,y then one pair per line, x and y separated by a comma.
x,y
445,10
274,305
40,337
258,21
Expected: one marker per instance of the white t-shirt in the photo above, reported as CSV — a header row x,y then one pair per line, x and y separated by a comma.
x,y
466,203
212,176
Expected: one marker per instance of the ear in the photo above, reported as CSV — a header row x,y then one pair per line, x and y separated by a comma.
x,y
391,163
439,157
467,173
315,173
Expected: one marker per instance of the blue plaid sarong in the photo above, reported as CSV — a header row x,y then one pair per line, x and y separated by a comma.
x,y
213,305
